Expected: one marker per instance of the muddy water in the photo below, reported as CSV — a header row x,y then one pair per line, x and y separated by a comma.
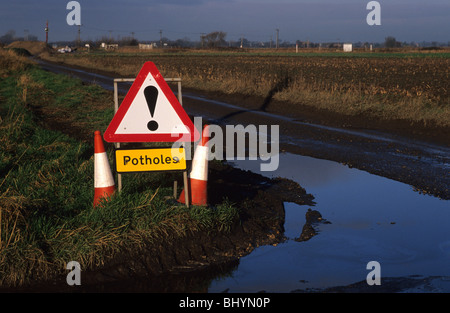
x,y
372,219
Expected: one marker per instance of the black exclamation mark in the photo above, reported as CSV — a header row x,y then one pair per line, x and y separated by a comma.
x,y
151,95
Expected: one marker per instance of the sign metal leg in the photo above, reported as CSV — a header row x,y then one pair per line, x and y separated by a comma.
x,y
186,188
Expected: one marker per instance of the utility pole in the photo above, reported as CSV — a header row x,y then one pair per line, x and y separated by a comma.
x,y
46,33
160,37
277,36
202,37
79,36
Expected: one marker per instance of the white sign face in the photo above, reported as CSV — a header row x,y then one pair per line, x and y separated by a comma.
x,y
150,112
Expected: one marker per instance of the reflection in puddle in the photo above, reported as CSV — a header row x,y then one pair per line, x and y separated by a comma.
x,y
372,219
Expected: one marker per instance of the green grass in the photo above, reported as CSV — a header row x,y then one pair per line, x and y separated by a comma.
x,y
46,184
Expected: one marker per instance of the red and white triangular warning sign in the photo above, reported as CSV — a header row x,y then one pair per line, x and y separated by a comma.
x,y
150,112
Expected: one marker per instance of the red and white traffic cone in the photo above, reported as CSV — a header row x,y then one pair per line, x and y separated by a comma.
x,y
103,178
198,177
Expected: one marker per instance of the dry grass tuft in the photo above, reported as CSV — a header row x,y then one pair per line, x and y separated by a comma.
x,y
11,62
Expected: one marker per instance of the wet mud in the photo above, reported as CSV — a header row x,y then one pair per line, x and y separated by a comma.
x,y
309,230
405,153
410,284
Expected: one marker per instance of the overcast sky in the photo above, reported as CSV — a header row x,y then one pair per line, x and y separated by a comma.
x,y
314,20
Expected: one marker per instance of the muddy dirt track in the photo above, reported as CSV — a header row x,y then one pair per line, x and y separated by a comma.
x,y
415,156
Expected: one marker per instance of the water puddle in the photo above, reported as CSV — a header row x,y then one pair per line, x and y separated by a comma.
x,y
372,219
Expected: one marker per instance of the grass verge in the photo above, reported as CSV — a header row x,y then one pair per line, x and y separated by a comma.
x,y
46,182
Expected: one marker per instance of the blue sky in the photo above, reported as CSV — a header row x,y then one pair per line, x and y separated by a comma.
x,y
314,20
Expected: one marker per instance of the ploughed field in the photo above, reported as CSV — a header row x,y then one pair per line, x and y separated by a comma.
x,y
388,86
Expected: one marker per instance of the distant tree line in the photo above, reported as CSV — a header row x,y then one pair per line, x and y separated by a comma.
x,y
217,39
10,36
214,40
391,42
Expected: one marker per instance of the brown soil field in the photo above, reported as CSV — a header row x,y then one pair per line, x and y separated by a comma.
x,y
383,86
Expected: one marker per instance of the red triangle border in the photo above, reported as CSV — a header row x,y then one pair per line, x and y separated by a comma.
x,y
149,67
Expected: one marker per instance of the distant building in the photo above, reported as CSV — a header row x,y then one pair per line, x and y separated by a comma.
x,y
348,47
67,49
109,46
145,46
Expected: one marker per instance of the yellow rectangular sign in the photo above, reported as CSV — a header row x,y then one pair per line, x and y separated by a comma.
x,y
150,159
